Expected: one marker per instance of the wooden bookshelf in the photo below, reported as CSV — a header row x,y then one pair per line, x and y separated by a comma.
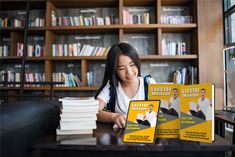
x,y
122,32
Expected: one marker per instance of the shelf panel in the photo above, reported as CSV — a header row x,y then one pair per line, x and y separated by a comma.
x,y
175,2
11,29
10,58
132,26
126,28
36,88
55,88
19,58
128,3
35,58
147,57
177,27
78,58
150,57
85,29
139,28
85,3
36,30
76,88
9,88
169,57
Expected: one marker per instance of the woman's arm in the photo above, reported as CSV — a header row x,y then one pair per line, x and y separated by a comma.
x,y
104,116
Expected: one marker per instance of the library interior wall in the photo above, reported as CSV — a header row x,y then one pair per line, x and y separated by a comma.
x,y
210,45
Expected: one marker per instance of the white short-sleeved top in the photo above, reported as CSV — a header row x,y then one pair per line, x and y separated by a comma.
x,y
122,101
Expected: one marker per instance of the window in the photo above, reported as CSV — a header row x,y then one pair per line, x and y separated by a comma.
x,y
233,27
229,21
228,4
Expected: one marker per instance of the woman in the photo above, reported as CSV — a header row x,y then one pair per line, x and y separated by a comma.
x,y
121,84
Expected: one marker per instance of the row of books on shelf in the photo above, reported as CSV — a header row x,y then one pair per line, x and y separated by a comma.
x,y
141,18
185,75
94,21
173,48
8,22
4,50
165,19
32,50
77,49
78,116
176,15
37,22
82,21
9,76
69,79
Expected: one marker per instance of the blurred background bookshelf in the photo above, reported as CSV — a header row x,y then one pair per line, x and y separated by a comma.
x,y
69,40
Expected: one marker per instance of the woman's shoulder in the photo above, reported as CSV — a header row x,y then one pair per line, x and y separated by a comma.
x,y
107,86
141,79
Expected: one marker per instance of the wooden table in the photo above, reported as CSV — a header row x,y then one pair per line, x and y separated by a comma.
x,y
222,117
108,142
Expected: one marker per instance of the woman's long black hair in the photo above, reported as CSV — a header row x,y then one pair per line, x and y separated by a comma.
x,y
110,73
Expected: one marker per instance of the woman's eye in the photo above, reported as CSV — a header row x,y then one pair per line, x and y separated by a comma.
x,y
132,65
120,68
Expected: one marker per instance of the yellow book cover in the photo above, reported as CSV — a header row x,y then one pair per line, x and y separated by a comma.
x,y
169,112
197,113
141,121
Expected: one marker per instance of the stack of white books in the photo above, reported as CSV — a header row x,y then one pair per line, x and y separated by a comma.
x,y
78,116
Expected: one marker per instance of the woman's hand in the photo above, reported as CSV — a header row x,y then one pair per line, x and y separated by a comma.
x,y
118,119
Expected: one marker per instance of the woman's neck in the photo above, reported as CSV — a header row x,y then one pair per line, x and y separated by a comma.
x,y
130,89
133,84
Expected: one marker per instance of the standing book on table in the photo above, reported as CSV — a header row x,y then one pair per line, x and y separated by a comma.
x,y
141,121
197,113
169,112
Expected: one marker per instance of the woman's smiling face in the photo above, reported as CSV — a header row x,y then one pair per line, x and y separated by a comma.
x,y
126,69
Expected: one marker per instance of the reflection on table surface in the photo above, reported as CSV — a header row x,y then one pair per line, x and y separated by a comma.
x,y
106,138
